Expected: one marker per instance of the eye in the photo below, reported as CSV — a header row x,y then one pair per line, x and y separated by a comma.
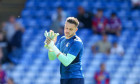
x,y
71,29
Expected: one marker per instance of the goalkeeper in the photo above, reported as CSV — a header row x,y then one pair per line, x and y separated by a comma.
x,y
69,51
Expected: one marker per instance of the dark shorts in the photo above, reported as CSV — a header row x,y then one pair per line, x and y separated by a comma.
x,y
72,81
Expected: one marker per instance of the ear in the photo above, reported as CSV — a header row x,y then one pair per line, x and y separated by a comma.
x,y
76,29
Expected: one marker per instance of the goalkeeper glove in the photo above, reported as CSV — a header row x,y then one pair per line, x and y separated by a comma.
x,y
52,36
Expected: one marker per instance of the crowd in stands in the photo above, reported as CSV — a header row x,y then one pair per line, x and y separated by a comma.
x,y
11,33
97,22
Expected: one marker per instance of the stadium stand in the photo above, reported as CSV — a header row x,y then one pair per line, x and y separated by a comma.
x,y
35,68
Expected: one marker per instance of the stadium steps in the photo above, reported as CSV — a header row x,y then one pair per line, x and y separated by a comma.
x,y
10,7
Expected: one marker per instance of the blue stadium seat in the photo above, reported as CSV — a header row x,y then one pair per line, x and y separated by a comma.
x,y
42,4
128,25
135,14
124,5
97,4
30,4
122,13
112,5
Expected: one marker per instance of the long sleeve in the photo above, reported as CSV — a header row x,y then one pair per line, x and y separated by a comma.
x,y
51,55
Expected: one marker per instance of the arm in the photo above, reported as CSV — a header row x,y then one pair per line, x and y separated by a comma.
x,y
53,36
107,79
65,59
96,77
94,25
94,47
51,55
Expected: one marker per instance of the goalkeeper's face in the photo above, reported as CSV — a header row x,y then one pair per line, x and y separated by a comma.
x,y
70,30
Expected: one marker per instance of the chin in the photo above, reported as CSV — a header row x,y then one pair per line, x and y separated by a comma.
x,y
66,35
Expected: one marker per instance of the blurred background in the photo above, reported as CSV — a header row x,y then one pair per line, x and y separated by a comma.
x,y
109,29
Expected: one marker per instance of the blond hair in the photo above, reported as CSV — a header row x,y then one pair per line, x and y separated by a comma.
x,y
73,20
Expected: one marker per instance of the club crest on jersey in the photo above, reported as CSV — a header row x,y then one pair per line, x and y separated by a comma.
x,y
67,44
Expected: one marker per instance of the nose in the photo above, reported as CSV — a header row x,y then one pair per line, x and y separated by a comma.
x,y
67,30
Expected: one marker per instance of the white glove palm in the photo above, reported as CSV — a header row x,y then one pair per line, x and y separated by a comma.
x,y
50,35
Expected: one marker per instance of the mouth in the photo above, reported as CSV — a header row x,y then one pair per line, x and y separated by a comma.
x,y
67,33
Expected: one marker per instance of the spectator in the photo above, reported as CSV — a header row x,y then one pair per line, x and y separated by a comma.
x,y
9,28
102,46
84,17
101,76
2,76
114,25
10,81
99,22
117,49
17,37
1,54
3,48
136,4
58,20
16,42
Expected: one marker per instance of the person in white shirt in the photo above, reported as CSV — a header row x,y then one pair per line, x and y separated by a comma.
x,y
117,49
58,20
135,4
